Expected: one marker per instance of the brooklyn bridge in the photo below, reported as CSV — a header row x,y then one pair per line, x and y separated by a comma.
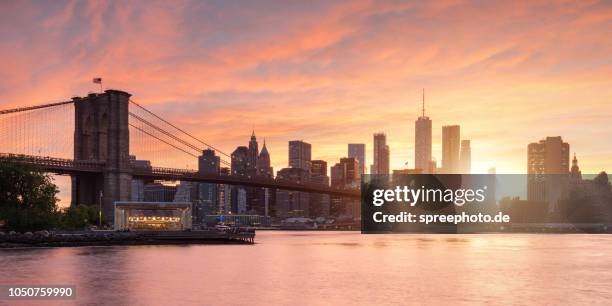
x,y
93,140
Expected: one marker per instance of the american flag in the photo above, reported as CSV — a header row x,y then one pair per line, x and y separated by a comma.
x,y
97,80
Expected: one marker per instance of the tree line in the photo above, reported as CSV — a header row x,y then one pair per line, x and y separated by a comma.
x,y
28,201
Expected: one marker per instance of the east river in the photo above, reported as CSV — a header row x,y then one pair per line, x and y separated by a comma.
x,y
327,268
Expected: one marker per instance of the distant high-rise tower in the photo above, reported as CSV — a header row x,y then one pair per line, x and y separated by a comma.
x,y
263,162
345,174
381,155
240,163
291,203
253,154
575,171
319,168
549,156
299,154
319,203
466,157
225,191
358,151
261,198
422,141
208,162
547,169
239,166
208,194
450,148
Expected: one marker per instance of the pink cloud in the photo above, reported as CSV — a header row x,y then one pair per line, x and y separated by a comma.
x,y
330,72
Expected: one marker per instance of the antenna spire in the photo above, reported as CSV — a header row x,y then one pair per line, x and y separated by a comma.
x,y
423,102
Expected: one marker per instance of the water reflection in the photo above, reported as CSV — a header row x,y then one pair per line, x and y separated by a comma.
x,y
322,268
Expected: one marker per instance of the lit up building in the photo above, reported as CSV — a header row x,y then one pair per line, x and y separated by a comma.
x,y
466,157
450,148
174,216
548,169
548,156
381,155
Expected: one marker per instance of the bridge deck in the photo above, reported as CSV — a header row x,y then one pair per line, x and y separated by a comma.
x,y
69,166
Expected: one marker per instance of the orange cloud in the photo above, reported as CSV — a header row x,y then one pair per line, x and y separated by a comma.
x,y
331,73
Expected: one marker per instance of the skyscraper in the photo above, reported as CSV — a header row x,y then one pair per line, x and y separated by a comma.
x,y
319,168
225,195
422,141
337,206
466,157
450,148
263,162
381,155
291,203
263,197
548,156
358,151
208,194
575,172
240,166
319,203
299,155
208,162
345,174
253,154
240,161
548,170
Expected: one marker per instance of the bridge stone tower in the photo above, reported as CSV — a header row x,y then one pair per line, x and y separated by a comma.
x,y
101,134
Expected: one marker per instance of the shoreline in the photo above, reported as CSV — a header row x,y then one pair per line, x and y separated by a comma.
x,y
10,245
111,238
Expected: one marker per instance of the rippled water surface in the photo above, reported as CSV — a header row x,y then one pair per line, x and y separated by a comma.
x,y
328,268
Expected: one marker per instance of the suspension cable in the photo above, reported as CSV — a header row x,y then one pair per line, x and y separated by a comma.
x,y
193,147
179,129
27,108
176,147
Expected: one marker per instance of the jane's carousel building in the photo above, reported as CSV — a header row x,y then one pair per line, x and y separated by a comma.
x,y
160,216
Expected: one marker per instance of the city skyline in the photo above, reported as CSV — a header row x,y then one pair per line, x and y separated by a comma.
x,y
298,81
265,152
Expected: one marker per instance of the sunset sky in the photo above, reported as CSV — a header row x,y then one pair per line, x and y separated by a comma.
x,y
331,72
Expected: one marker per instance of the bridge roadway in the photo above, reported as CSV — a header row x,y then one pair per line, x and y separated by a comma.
x,y
69,166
